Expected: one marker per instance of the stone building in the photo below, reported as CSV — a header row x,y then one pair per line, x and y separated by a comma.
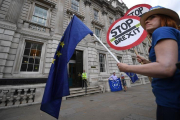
x,y
30,31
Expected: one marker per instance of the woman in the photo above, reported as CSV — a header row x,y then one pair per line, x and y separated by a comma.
x,y
162,25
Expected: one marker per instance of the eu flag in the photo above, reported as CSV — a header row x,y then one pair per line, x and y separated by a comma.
x,y
133,76
115,85
57,83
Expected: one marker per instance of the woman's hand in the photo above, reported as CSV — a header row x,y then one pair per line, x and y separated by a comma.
x,y
122,67
141,59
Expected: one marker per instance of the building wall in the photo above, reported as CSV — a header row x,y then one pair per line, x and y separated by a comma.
x,y
16,28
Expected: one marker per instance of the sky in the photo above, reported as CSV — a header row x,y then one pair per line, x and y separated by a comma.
x,y
170,4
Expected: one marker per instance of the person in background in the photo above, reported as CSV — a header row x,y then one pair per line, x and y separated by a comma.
x,y
123,82
162,25
84,79
113,76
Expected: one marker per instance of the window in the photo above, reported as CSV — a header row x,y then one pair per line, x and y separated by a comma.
x,y
39,15
110,21
97,32
96,14
119,58
102,58
31,57
75,5
134,61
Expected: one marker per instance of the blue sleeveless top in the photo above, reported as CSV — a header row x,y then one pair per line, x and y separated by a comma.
x,y
166,90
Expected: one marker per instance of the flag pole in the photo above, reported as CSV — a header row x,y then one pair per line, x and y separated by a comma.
x,y
141,62
106,48
149,39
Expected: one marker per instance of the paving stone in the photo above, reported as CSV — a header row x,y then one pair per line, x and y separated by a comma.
x,y
135,104
137,117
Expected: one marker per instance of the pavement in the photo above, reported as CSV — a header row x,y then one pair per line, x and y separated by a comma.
x,y
138,103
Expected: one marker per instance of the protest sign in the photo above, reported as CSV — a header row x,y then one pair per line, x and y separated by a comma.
x,y
138,10
125,33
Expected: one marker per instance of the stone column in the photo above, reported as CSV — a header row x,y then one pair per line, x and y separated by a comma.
x,y
105,29
59,17
6,37
87,17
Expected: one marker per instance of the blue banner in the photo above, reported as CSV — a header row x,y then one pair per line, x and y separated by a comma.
x,y
115,85
57,84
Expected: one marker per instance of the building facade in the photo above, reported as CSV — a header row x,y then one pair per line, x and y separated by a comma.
x,y
30,31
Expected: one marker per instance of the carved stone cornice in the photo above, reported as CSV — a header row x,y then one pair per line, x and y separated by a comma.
x,y
87,2
95,22
109,6
51,2
104,11
118,8
118,12
118,15
28,33
104,2
8,26
110,2
36,24
79,15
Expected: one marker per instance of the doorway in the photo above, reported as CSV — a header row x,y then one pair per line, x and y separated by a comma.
x,y
75,69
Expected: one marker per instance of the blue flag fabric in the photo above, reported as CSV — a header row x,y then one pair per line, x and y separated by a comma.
x,y
133,76
115,85
57,83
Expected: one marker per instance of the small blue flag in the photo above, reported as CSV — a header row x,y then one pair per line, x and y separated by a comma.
x,y
57,83
115,85
133,76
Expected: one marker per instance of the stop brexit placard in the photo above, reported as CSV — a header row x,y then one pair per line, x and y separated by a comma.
x,y
138,10
125,33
